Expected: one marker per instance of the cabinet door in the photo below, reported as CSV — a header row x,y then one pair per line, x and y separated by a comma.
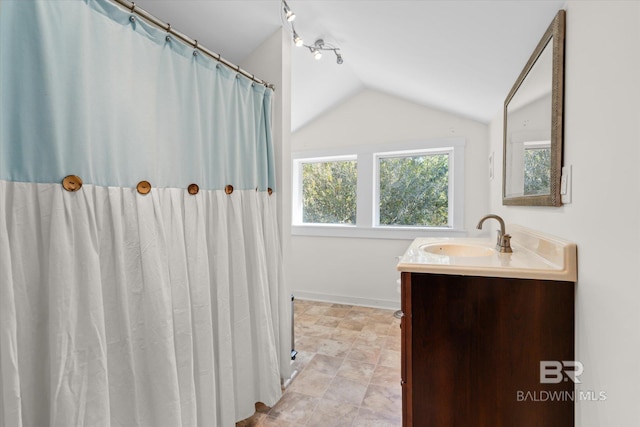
x,y
441,346
518,324
472,343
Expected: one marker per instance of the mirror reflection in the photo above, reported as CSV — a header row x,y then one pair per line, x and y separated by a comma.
x,y
528,134
533,125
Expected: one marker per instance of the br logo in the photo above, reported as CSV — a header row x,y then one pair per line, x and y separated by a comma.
x,y
555,371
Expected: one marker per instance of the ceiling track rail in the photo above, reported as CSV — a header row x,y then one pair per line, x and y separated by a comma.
x,y
131,7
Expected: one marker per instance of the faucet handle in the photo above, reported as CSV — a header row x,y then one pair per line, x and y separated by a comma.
x,y
505,243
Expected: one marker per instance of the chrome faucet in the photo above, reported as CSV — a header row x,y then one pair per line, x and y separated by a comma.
x,y
504,240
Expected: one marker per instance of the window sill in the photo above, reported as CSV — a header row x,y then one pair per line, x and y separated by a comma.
x,y
399,233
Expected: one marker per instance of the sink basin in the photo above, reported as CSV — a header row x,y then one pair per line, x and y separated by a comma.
x,y
535,255
458,249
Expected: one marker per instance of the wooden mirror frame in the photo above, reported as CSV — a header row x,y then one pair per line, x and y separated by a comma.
x,y
556,35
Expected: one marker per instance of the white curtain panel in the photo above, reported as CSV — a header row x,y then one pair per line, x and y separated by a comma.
x,y
119,308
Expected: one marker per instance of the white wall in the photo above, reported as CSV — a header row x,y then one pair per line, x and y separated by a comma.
x,y
362,271
602,142
271,61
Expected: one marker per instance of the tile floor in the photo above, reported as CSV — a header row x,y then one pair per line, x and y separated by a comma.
x,y
348,370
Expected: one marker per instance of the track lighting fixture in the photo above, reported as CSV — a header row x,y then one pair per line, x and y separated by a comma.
x,y
318,47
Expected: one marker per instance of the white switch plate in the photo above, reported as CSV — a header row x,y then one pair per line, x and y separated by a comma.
x,y
565,185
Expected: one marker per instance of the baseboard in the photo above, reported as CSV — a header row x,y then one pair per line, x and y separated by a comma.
x,y
342,299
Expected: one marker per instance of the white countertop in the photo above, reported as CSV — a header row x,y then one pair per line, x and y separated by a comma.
x,y
535,256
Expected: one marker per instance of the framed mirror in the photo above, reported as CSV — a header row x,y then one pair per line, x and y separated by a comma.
x,y
533,131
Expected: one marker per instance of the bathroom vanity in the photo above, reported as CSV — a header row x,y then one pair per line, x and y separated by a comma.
x,y
485,334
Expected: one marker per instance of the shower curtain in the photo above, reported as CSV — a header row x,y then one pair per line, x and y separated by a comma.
x,y
150,295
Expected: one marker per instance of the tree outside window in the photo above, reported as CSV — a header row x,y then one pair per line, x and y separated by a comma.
x,y
414,191
537,171
329,192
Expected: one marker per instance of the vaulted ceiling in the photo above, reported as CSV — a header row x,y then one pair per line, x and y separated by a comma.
x,y
460,56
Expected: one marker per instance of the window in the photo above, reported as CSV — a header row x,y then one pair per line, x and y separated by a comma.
x,y
414,190
395,191
537,167
329,192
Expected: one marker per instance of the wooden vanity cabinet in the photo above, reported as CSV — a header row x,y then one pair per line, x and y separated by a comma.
x,y
471,344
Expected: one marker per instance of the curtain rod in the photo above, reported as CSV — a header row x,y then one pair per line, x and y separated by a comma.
x,y
131,6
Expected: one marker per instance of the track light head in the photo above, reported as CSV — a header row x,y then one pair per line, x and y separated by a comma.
x,y
297,40
288,13
316,49
339,59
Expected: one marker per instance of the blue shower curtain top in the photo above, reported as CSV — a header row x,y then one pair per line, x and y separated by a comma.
x,y
87,88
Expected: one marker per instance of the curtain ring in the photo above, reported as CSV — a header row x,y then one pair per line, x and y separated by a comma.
x,y
133,6
195,47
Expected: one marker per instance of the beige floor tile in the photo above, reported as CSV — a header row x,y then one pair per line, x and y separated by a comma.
x,y
315,330
306,319
345,335
333,347
328,321
393,343
352,325
389,358
308,344
368,418
275,422
356,371
325,364
372,339
386,376
330,413
294,408
311,383
385,400
337,312
346,390
317,310
364,353
378,328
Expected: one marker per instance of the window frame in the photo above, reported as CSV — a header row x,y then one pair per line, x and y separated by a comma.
x,y
368,188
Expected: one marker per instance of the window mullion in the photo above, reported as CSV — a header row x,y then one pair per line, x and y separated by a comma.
x,y
365,207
